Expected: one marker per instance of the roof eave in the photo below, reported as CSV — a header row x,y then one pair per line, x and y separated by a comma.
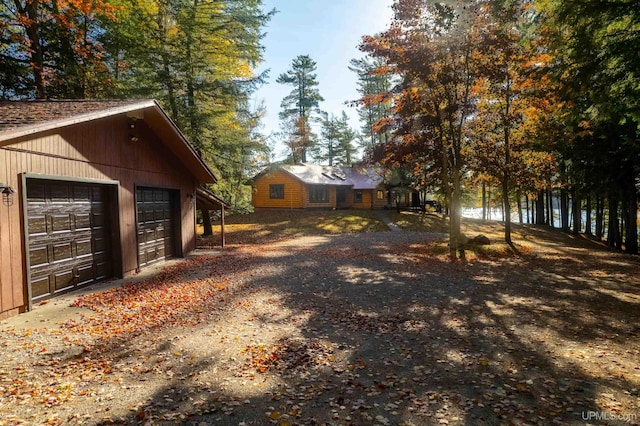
x,y
209,198
162,125
45,126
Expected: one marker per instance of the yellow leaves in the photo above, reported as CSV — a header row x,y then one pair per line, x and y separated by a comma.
x,y
243,69
294,412
281,419
275,415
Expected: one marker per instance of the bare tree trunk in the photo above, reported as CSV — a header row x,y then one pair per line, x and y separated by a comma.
x,y
192,108
520,215
576,209
540,208
588,222
631,220
613,232
484,200
206,223
223,238
166,77
454,218
30,12
550,220
599,217
507,212
564,210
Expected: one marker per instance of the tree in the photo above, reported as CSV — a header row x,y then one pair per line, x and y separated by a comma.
x,y
335,146
430,46
596,45
52,49
375,103
299,105
501,89
198,59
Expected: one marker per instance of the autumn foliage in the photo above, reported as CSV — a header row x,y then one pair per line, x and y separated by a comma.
x,y
496,94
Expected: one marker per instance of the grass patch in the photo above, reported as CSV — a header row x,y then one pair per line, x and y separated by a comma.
x,y
417,222
270,225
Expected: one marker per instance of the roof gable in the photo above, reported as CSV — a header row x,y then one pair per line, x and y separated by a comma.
x,y
23,118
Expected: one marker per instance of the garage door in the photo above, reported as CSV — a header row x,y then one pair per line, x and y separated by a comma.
x,y
156,236
68,236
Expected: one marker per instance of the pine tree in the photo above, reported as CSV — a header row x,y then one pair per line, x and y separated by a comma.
x,y
335,146
374,86
301,104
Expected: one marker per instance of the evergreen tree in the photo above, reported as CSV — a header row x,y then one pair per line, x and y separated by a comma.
x,y
596,48
375,103
196,58
335,146
301,104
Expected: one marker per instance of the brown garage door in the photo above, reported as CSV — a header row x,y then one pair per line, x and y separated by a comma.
x,y
156,232
68,236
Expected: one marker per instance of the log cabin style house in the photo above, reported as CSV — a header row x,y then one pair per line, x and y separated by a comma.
x,y
307,186
91,190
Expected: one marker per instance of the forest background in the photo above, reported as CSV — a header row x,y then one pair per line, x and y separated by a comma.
x,y
526,99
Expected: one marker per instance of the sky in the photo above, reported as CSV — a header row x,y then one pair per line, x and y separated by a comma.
x,y
329,31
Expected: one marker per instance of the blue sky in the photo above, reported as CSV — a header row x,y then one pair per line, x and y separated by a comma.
x,y
329,31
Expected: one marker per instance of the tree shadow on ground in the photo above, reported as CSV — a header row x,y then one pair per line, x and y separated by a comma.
x,y
374,331
372,328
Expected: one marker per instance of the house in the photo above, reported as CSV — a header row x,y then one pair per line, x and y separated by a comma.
x,y
91,190
304,186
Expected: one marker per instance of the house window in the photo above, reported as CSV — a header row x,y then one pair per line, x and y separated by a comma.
x,y
318,194
380,195
276,191
358,197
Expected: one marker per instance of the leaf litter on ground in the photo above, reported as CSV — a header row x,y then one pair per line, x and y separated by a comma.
x,y
286,333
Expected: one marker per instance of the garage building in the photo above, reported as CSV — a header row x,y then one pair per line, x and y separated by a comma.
x,y
90,190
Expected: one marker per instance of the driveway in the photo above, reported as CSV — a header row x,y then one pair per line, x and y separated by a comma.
x,y
377,328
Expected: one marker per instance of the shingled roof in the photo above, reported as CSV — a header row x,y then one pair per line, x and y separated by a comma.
x,y
16,114
357,177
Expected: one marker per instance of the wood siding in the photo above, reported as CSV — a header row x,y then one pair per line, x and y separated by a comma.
x,y
295,191
366,199
296,194
100,150
379,203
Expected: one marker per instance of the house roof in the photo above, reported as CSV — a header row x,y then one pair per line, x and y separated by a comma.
x,y
313,174
23,118
364,177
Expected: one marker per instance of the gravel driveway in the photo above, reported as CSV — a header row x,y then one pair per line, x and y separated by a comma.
x,y
355,329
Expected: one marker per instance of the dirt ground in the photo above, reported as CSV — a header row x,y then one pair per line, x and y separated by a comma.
x,y
350,329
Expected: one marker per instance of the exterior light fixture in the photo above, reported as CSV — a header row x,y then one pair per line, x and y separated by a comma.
x,y
7,194
133,134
